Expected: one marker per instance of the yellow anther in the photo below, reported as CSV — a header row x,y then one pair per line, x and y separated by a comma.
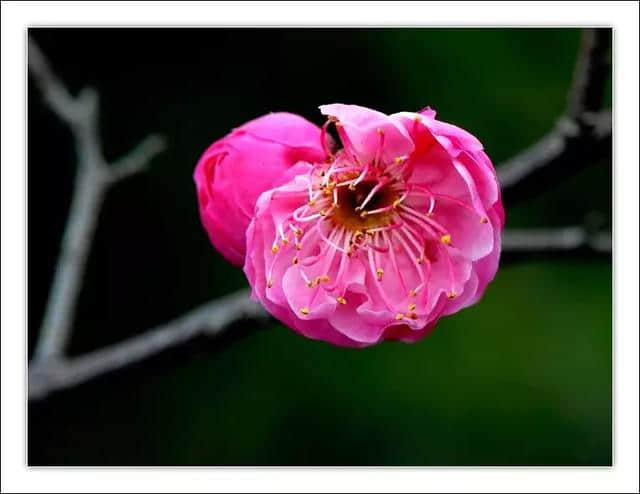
x,y
451,294
269,283
399,316
446,239
323,213
396,203
294,260
379,273
412,293
297,232
364,214
341,300
399,159
413,315
311,202
484,219
285,241
324,278
305,311
310,284
412,307
275,248
351,186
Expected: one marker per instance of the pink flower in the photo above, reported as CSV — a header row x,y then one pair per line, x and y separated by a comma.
x,y
378,241
236,169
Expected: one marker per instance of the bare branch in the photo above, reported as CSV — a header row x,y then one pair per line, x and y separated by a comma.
x,y
591,70
580,138
208,320
555,240
565,150
93,178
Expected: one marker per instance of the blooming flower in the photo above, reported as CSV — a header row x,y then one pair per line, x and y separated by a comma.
x,y
378,240
236,169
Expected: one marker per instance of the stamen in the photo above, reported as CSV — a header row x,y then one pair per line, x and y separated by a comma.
x,y
433,224
346,142
328,241
416,261
306,279
383,181
412,307
305,311
394,261
275,248
446,239
398,201
360,178
376,211
381,292
399,316
341,300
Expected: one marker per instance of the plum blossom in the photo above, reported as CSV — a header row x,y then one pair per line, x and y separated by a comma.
x,y
379,239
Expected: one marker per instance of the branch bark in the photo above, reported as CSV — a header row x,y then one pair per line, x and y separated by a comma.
x,y
209,319
93,178
570,239
581,137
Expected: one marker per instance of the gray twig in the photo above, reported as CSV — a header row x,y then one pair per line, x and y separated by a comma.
x,y
560,240
93,177
209,320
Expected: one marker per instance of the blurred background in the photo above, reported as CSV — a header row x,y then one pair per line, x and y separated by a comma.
x,y
522,378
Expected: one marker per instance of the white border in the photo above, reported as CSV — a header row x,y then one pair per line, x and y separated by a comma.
x,y
623,16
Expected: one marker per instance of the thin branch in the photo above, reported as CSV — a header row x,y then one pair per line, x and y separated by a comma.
x,y
93,178
581,137
210,319
563,151
591,71
555,240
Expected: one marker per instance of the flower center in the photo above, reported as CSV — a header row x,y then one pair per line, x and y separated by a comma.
x,y
367,205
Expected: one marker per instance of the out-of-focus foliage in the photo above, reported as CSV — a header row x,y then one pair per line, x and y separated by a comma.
x,y
522,378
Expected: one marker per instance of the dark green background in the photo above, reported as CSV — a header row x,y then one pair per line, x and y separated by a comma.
x,y
522,378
